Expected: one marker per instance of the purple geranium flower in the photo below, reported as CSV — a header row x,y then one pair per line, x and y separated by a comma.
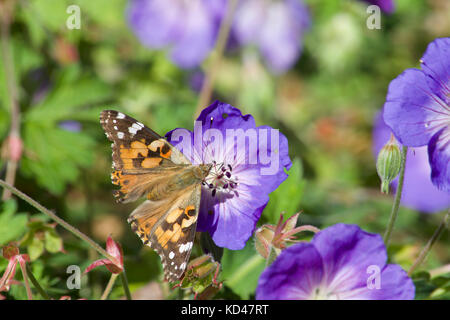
x,y
248,164
189,29
387,6
417,109
341,262
419,192
275,27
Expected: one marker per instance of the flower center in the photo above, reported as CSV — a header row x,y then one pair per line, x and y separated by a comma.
x,y
221,179
321,293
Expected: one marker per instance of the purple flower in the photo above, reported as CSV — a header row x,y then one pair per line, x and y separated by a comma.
x,y
417,109
387,6
70,125
341,262
275,27
419,193
248,164
189,29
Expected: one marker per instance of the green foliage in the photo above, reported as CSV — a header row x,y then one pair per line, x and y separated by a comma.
x,y
288,196
12,223
431,288
241,270
40,236
324,105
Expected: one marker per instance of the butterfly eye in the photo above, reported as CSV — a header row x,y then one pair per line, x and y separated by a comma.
x,y
211,121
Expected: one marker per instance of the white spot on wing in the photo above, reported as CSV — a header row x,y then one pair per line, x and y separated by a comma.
x,y
120,115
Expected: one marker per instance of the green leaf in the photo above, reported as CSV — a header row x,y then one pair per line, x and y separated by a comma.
x,y
241,270
287,197
56,155
12,224
423,285
35,248
53,242
67,100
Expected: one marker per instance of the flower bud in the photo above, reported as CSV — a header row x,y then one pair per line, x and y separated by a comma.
x,y
264,237
388,163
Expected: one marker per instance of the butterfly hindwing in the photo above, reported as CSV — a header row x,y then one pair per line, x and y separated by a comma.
x,y
169,228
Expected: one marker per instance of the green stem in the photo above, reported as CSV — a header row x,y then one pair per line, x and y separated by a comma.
x,y
60,221
36,283
224,31
108,288
427,248
398,196
126,289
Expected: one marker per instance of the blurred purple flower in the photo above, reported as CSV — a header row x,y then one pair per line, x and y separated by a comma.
x,y
419,193
417,109
70,125
387,6
237,189
189,29
341,262
275,27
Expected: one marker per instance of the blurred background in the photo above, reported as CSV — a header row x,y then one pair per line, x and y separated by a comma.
x,y
314,70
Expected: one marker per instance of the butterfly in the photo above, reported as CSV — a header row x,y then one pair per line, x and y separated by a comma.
x,y
147,165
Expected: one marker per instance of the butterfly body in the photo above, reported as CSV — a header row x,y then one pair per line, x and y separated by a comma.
x,y
146,165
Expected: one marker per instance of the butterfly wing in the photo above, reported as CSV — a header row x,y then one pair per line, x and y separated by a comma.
x,y
168,226
144,161
141,157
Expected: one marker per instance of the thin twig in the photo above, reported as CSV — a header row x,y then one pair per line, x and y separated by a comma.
x,y
427,248
108,288
224,31
8,63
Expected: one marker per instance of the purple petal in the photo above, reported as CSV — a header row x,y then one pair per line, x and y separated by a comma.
x,y
394,285
224,116
412,110
154,21
436,64
248,20
294,275
439,155
196,36
280,37
347,252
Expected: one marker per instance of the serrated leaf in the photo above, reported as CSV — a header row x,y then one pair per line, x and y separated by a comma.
x,y
57,155
12,224
65,102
